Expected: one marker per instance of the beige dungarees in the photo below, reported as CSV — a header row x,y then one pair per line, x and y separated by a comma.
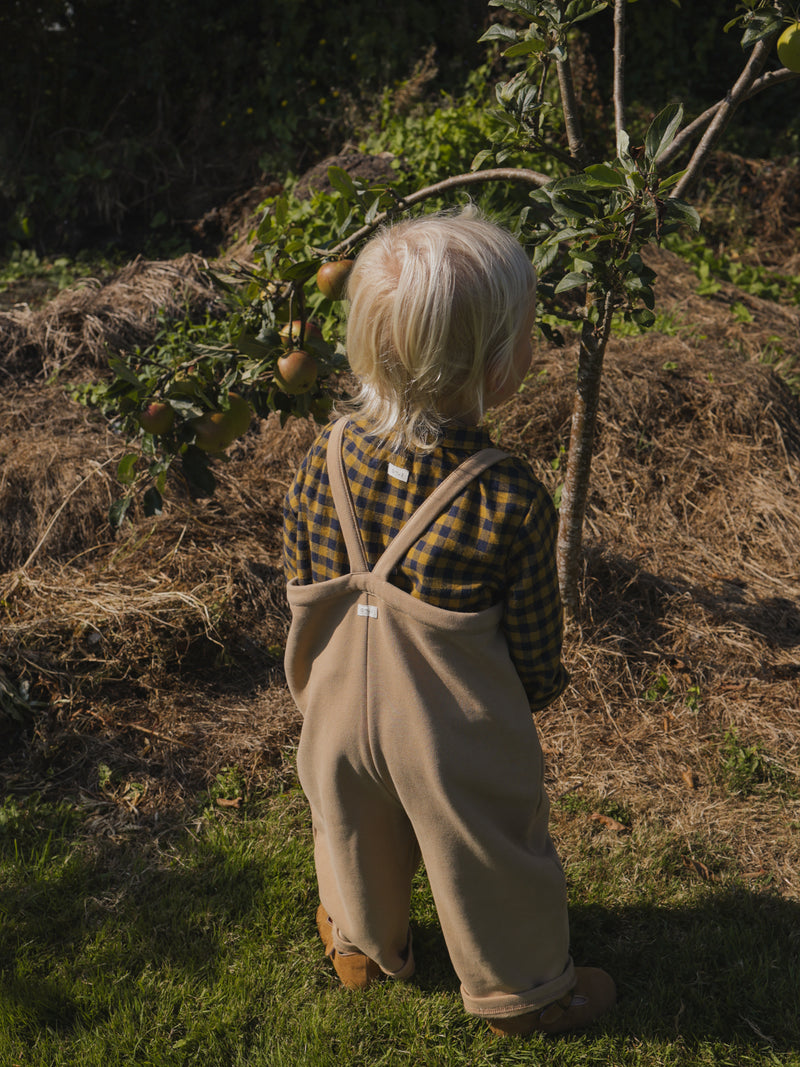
x,y
417,731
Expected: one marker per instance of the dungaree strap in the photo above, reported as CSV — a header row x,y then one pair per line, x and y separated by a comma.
x,y
415,527
430,510
343,500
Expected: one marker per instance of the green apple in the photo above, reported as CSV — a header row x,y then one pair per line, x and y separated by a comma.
x,y
789,47
215,431
212,433
238,415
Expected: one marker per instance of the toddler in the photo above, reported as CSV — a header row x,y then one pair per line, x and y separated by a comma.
x,y
426,626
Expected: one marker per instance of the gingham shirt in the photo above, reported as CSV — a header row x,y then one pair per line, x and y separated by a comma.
x,y
496,541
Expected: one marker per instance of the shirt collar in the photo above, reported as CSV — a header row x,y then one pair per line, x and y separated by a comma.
x,y
464,438
454,437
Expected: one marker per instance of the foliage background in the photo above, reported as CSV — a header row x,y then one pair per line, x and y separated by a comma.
x,y
122,120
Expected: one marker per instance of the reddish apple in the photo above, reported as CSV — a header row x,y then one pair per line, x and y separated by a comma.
x,y
332,277
157,418
297,371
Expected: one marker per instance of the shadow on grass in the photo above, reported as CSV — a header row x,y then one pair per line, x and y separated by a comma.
x,y
84,927
724,969
79,930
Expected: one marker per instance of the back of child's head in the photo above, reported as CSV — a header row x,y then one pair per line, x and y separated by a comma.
x,y
437,305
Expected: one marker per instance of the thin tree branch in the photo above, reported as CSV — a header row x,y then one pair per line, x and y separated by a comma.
x,y
766,81
507,174
545,149
572,121
619,71
734,97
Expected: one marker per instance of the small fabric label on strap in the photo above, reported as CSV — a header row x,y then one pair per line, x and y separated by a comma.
x,y
400,473
368,611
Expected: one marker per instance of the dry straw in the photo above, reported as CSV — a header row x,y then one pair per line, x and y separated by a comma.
x,y
157,652
82,324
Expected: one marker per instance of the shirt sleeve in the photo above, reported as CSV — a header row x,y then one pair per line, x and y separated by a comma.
x,y
533,618
290,533
292,521
304,512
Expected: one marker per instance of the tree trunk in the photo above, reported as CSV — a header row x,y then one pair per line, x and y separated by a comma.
x,y
574,493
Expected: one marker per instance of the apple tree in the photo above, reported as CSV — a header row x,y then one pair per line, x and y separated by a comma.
x,y
587,221
590,225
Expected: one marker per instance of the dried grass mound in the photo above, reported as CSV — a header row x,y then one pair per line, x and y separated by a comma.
x,y
56,475
691,634
160,632
78,326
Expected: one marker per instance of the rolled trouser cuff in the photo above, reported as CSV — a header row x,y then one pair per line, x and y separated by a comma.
x,y
398,965
407,970
507,1005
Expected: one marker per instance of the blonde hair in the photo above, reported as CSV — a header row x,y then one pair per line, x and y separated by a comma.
x,y
437,305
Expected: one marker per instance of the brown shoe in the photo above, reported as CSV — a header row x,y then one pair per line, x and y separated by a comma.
x,y
594,992
355,970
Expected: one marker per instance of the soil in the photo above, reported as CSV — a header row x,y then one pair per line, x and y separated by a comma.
x,y
136,666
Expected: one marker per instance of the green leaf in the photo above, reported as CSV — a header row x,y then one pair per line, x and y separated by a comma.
x,y
116,513
125,469
575,206
153,502
480,159
603,174
591,13
248,344
662,130
680,211
555,337
544,256
186,407
673,179
528,8
281,211
524,48
372,211
575,181
624,146
643,317
122,370
499,33
571,281
301,272
342,183
195,467
762,26
220,283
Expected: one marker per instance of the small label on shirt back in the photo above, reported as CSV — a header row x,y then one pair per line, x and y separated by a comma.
x,y
400,473
368,611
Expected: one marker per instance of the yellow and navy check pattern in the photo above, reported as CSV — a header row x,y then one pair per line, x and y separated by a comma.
x,y
496,542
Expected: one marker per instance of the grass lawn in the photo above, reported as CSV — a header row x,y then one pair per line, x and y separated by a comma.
x,y
198,947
